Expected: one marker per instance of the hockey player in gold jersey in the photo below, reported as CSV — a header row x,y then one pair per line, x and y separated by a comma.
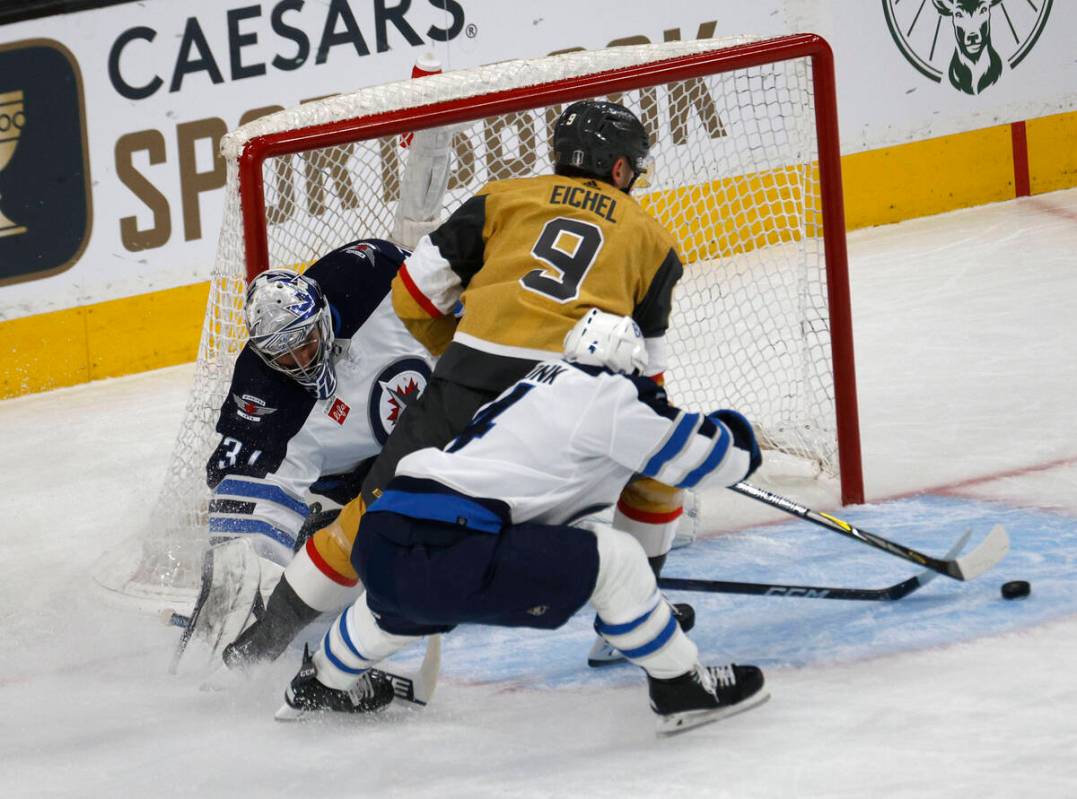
x,y
524,259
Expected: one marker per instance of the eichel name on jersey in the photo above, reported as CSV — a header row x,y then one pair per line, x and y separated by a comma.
x,y
527,258
605,428
279,444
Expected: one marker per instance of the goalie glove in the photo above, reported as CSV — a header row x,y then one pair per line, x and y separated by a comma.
x,y
422,189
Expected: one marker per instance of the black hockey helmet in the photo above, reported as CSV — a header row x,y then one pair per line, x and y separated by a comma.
x,y
590,135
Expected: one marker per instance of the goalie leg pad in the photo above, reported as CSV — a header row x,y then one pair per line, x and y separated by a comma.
x,y
650,512
354,643
633,617
231,577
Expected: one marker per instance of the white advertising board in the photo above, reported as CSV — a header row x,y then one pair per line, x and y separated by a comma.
x,y
915,69
151,86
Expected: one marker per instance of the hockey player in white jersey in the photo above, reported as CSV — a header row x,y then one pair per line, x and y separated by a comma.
x,y
482,531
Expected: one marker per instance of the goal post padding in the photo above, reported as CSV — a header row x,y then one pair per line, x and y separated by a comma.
x,y
746,176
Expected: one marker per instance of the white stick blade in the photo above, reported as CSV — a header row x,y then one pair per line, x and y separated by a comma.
x,y
990,551
427,679
418,688
927,575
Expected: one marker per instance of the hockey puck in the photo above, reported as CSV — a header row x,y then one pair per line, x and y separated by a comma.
x,y
1015,589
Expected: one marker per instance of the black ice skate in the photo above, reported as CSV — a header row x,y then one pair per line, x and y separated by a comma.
x,y
305,695
602,654
705,694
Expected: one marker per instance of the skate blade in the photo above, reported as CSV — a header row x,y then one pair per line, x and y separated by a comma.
x,y
676,723
288,713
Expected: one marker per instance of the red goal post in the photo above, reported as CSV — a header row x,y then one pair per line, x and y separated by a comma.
x,y
747,177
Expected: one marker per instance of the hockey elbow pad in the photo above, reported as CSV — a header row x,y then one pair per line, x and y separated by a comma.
x,y
743,436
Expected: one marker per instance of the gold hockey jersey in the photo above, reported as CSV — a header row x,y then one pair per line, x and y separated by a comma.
x,y
523,260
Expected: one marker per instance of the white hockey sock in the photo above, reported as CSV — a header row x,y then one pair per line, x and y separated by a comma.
x,y
314,587
632,615
353,644
656,538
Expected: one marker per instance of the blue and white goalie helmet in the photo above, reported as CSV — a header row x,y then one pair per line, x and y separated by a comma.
x,y
291,328
609,340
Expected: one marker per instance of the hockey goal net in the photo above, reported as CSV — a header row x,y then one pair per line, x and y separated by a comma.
x,y
746,176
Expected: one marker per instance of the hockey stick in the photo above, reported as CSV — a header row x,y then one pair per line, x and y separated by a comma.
x,y
890,593
420,688
990,551
416,689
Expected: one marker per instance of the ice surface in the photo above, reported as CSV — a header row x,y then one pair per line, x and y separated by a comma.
x,y
966,343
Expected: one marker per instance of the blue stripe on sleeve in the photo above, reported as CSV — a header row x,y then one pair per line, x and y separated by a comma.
x,y
657,643
674,444
340,664
266,491
714,457
217,525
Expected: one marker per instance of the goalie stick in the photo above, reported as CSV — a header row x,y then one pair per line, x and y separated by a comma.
x,y
890,593
416,689
966,567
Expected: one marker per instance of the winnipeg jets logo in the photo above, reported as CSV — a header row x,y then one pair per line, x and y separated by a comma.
x,y
399,384
251,407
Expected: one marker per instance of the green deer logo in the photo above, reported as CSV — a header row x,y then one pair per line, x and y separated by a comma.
x,y
975,64
978,54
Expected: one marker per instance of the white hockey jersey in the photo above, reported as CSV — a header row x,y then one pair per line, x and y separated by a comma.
x,y
281,448
560,445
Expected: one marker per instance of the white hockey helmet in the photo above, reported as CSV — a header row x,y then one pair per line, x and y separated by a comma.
x,y
291,328
609,340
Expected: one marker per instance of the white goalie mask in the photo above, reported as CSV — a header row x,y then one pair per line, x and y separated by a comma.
x,y
291,328
605,339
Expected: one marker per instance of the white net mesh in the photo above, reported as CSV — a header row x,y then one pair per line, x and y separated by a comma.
x,y
735,179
